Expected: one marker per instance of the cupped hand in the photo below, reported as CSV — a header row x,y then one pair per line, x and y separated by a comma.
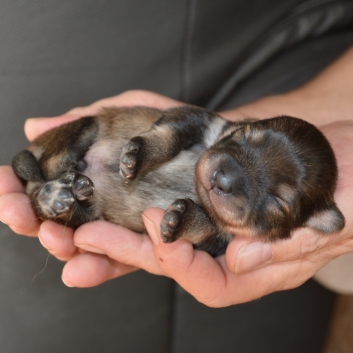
x,y
99,251
250,269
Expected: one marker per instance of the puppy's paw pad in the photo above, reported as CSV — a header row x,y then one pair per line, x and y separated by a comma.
x,y
130,159
65,195
172,220
54,200
58,206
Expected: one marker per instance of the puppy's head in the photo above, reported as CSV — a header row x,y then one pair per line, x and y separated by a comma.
x,y
269,177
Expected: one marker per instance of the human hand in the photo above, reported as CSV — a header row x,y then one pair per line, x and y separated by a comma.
x,y
248,270
251,269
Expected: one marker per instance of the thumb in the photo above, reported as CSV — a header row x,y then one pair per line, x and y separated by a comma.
x,y
173,257
196,271
37,126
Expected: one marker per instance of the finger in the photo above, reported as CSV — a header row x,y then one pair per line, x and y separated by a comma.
x,y
244,255
37,126
118,243
17,213
129,98
136,97
89,270
58,240
126,99
211,282
196,271
9,182
89,110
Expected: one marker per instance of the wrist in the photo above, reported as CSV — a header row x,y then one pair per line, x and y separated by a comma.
x,y
319,107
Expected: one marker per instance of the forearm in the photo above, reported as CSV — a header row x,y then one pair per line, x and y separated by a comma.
x,y
325,99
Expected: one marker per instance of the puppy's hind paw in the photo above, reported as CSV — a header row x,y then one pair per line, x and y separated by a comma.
x,y
82,187
172,221
56,198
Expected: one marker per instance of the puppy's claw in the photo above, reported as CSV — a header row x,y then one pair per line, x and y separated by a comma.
x,y
129,160
166,239
68,178
181,206
172,219
132,146
126,177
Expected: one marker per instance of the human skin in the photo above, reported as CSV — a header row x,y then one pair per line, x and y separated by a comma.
x,y
100,251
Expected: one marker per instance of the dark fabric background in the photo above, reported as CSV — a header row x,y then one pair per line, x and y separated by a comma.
x,y
58,55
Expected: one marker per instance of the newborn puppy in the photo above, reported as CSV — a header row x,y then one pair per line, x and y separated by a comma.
x,y
217,179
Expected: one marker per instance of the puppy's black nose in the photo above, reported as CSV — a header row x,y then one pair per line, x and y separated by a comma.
x,y
229,178
222,181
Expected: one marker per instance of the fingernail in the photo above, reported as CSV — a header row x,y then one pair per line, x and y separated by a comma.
x,y
90,248
32,120
44,246
151,229
252,257
66,284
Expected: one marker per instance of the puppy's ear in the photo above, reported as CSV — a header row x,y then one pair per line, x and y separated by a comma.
x,y
327,221
26,166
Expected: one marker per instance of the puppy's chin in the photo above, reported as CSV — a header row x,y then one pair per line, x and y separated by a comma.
x,y
222,187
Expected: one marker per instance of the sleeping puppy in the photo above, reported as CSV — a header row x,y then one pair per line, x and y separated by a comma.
x,y
215,178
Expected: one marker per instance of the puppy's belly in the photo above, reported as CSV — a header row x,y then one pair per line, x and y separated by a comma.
x,y
124,203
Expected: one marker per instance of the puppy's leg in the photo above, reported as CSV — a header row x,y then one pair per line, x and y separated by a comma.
x,y
26,167
185,219
178,129
52,168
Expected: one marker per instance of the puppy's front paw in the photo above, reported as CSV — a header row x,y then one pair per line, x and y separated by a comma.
x,y
172,220
131,159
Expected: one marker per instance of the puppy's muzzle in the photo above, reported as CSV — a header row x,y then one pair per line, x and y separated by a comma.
x,y
222,174
229,178
223,186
